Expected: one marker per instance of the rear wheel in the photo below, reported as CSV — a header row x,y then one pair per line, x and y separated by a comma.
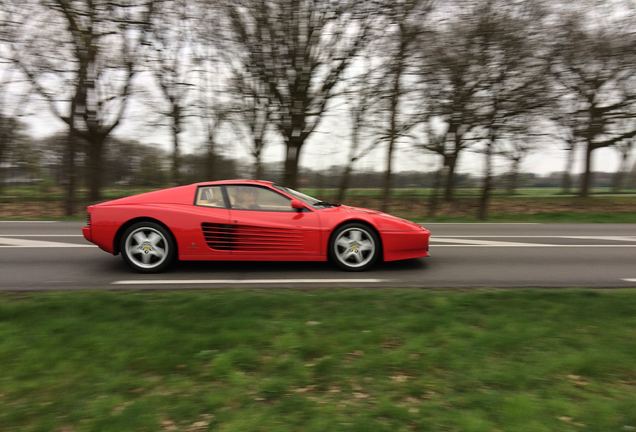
x,y
354,247
147,247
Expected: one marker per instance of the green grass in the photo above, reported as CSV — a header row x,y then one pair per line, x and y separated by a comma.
x,y
338,360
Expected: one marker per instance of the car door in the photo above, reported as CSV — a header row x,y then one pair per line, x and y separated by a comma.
x,y
265,226
212,223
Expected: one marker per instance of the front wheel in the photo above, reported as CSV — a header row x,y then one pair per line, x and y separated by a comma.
x,y
147,247
354,247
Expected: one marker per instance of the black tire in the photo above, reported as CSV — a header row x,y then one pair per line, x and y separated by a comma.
x,y
155,264
336,251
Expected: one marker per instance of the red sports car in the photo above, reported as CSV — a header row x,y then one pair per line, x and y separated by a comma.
x,y
247,220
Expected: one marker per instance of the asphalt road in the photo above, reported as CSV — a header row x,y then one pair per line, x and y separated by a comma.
x,y
54,255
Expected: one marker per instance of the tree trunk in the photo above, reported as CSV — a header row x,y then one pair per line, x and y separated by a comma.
x,y
258,169
484,200
388,174
346,174
292,157
586,183
513,180
623,167
344,182
210,162
617,181
433,199
394,110
4,145
566,180
258,163
95,158
176,151
71,174
451,165
78,103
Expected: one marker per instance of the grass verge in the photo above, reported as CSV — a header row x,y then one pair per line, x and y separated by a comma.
x,y
337,360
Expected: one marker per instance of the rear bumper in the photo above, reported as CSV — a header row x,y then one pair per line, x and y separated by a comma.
x,y
405,245
86,231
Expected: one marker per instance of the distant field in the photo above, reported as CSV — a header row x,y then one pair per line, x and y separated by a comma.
x,y
326,360
464,192
21,193
28,193
528,205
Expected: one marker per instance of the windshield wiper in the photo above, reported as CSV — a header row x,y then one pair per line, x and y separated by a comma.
x,y
326,204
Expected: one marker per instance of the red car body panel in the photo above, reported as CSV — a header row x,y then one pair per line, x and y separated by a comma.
x,y
257,235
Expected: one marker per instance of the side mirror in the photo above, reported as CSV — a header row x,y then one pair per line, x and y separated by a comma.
x,y
297,205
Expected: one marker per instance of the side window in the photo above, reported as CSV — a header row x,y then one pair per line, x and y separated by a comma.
x,y
257,198
210,196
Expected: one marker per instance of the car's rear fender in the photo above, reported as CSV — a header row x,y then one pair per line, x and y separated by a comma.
x,y
109,222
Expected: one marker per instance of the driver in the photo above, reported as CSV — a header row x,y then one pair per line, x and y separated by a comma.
x,y
246,198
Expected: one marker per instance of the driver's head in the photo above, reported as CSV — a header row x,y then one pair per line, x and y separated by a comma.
x,y
247,197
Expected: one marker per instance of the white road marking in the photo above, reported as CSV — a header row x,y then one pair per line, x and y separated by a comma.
x,y
479,223
630,280
610,238
28,221
24,243
488,243
478,241
536,245
238,282
618,238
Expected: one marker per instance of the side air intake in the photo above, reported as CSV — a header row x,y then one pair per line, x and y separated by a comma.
x,y
248,238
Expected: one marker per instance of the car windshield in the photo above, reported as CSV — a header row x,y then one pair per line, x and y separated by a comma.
x,y
314,202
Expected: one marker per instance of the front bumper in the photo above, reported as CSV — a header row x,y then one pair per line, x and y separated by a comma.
x,y
405,245
86,231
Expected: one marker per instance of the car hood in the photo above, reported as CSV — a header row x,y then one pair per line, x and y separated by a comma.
x,y
378,216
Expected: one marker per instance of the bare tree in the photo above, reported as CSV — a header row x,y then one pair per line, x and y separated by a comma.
x,y
451,74
567,134
251,113
213,104
406,26
169,58
596,64
362,96
435,142
514,79
12,104
41,56
299,50
516,149
90,48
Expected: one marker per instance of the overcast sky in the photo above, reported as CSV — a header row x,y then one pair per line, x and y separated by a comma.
x,y
325,148
328,145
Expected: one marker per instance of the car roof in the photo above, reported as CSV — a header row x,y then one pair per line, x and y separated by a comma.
x,y
235,181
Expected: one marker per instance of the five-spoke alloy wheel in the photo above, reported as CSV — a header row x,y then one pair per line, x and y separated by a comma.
x,y
354,247
147,247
